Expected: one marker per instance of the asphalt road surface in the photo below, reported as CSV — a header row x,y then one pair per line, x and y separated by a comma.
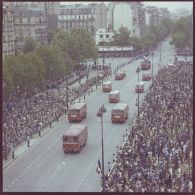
x,y
45,167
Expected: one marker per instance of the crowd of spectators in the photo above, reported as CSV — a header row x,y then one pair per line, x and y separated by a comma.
x,y
28,113
24,115
157,153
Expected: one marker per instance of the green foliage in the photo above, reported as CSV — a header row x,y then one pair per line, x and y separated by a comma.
x,y
25,71
122,38
53,60
29,45
182,33
78,44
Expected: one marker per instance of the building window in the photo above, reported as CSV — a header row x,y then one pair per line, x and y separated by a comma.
x,y
107,36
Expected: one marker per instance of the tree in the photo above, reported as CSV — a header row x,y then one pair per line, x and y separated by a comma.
x,y
8,72
122,38
182,32
56,62
29,45
136,43
50,36
78,44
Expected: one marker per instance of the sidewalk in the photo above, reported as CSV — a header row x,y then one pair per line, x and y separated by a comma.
x,y
20,149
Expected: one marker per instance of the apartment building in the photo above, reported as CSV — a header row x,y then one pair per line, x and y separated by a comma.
x,y
77,16
29,23
128,14
103,35
8,32
152,16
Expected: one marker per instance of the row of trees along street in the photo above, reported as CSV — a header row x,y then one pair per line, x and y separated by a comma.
x,y
182,36
41,64
152,36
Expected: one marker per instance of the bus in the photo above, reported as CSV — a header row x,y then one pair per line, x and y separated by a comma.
x,y
139,88
146,76
74,138
145,65
107,86
114,96
120,113
77,112
119,75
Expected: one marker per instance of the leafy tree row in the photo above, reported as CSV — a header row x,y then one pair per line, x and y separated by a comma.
x,y
151,37
182,33
50,63
78,44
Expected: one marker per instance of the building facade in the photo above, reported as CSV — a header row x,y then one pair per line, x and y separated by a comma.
x,y
100,16
152,16
29,23
128,14
77,16
8,32
103,35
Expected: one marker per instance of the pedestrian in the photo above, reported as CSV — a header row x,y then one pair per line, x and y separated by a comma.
x,y
28,141
12,150
109,167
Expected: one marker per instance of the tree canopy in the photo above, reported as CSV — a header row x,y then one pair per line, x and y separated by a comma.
x,y
29,46
121,38
182,33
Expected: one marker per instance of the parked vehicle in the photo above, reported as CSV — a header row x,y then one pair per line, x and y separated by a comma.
x,y
120,113
77,112
114,96
74,138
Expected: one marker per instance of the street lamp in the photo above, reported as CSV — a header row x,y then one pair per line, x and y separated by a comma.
x,y
103,56
138,70
152,65
100,113
67,99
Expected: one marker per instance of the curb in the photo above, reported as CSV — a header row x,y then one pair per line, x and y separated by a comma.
x,y
46,130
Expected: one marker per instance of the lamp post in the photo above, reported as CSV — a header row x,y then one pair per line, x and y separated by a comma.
x,y
4,129
100,113
67,99
103,56
138,70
